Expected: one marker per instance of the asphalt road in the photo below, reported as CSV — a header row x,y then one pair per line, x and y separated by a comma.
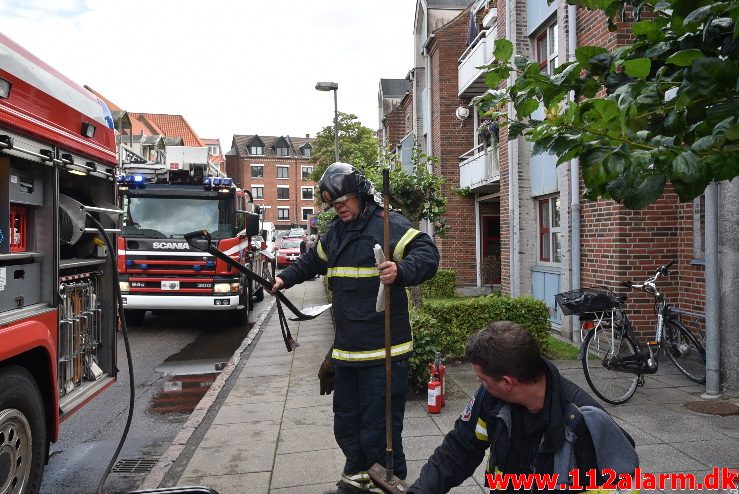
x,y
175,357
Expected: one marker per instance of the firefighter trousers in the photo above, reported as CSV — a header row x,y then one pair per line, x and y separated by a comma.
x,y
359,415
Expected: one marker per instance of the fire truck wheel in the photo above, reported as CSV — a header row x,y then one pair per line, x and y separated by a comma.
x,y
240,317
259,295
135,316
22,432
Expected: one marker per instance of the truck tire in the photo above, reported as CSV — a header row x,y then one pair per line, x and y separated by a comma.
x,y
259,295
23,441
135,316
240,317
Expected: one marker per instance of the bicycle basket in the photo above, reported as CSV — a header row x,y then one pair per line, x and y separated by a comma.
x,y
583,300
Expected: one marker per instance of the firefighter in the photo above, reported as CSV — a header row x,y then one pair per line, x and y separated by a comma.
x,y
532,419
345,255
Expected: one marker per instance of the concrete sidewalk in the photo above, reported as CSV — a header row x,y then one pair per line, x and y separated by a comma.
x,y
266,429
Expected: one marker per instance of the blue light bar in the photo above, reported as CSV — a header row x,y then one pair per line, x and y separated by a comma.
x,y
207,183
196,267
217,181
120,178
210,264
228,182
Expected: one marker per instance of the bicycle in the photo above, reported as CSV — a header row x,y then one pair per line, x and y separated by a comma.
x,y
613,361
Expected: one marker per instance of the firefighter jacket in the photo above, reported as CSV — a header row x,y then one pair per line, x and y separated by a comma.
x,y
486,424
345,255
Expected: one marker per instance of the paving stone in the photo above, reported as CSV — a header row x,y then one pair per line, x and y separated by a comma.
x,y
420,426
679,430
665,458
229,459
420,447
248,483
307,468
242,434
306,438
321,415
712,453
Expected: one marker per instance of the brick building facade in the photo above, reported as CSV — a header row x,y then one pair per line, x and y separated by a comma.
x,y
275,169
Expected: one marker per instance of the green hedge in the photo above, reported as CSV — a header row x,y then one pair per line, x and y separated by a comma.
x,y
446,325
441,285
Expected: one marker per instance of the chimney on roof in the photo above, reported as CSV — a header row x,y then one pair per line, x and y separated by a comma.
x,y
307,136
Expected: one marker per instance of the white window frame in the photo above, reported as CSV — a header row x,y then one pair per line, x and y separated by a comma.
x,y
550,61
286,151
257,186
255,147
213,150
278,172
302,193
251,168
303,215
308,149
303,175
552,230
283,208
288,192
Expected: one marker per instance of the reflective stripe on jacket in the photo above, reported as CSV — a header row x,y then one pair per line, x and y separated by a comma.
x,y
345,255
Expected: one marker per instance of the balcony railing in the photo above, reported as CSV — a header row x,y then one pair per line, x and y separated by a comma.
x,y
479,168
470,78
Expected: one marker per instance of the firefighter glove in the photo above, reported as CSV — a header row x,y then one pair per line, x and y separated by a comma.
x,y
326,376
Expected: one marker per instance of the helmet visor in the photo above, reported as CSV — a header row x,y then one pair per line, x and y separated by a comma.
x,y
329,204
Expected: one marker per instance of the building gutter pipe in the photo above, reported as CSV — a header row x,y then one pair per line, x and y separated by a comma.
x,y
713,296
511,160
574,166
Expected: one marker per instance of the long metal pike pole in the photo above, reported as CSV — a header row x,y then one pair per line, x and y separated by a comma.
x,y
388,338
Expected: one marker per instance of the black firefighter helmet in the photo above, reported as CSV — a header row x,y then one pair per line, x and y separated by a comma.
x,y
341,181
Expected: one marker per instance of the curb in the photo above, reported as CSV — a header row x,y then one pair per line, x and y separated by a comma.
x,y
157,474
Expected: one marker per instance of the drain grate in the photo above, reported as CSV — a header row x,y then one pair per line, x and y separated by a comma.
x,y
719,407
134,465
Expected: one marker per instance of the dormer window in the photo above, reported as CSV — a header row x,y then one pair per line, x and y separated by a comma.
x,y
256,149
280,151
306,151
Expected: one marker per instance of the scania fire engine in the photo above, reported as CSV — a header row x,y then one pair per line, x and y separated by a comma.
x,y
158,270
57,302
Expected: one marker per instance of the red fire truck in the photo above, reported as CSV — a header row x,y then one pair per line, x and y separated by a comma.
x,y
157,268
57,303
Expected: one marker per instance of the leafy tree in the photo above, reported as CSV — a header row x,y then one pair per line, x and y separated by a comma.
x,y
357,146
664,108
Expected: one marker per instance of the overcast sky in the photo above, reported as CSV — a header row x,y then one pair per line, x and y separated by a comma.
x,y
229,67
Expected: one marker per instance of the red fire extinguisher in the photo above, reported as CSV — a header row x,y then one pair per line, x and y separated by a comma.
x,y
439,369
434,388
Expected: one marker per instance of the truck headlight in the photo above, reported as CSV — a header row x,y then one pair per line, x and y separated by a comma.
x,y
124,285
222,288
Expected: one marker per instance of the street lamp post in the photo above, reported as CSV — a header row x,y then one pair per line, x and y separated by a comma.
x,y
333,86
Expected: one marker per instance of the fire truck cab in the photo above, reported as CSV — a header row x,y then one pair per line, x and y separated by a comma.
x,y
57,292
158,269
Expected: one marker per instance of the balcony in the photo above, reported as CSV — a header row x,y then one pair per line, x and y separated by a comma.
x,y
471,79
479,169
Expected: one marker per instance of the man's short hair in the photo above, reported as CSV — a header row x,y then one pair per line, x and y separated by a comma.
x,y
505,348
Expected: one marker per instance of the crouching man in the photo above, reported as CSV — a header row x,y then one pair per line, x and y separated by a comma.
x,y
532,419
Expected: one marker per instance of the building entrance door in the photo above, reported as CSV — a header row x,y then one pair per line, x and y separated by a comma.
x,y
491,263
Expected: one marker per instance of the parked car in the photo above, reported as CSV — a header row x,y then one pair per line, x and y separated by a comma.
x,y
288,252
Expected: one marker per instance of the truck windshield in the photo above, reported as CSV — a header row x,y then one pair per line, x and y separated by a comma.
x,y
171,217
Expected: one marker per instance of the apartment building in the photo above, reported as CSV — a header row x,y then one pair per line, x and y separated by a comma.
x,y
519,217
275,169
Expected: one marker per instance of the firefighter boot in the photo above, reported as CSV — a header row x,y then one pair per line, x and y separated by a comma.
x,y
357,483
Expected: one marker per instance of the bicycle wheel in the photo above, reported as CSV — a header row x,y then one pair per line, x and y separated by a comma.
x,y
611,385
685,351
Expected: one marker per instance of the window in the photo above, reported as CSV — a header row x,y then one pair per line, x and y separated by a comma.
x,y
257,191
306,213
306,171
213,150
550,249
306,151
283,192
257,171
256,149
699,228
283,214
282,172
546,46
280,151
307,193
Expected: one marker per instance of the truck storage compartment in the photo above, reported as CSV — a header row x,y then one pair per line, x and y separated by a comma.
x,y
20,282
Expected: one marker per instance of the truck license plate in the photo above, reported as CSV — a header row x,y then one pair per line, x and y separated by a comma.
x,y
170,285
